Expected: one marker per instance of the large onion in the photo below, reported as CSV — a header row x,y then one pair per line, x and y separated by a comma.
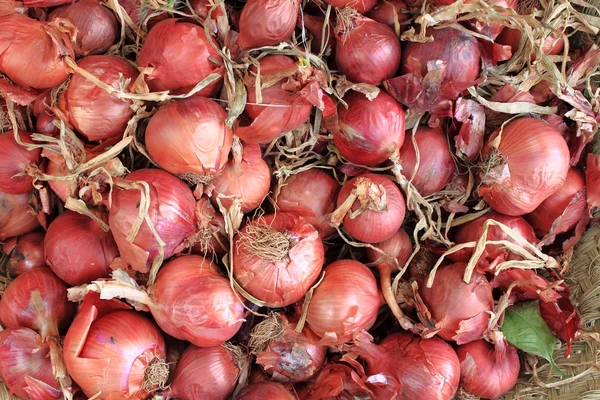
x,y
277,258
16,159
267,22
26,254
530,163
362,6
265,390
16,216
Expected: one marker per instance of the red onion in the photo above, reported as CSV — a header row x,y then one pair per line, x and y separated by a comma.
x,y
277,258
336,381
389,11
203,7
267,22
97,27
346,302
553,43
460,309
64,189
32,52
16,216
177,55
407,367
213,238
529,164
91,258
369,131
171,211
488,370
95,113
265,390
26,254
43,114
362,42
436,165
9,7
246,176
362,6
25,366
16,160
371,207
490,29
553,207
315,24
135,10
189,137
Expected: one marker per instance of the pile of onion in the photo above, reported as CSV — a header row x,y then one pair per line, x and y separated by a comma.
x,y
265,390
25,253
362,6
277,258
267,22
530,163
16,215
16,161
189,138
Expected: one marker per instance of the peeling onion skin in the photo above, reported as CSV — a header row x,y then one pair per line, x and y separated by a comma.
x,y
362,6
16,159
27,254
265,390
267,22
553,45
16,216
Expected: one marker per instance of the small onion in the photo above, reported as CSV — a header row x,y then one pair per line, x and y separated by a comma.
x,y
189,137
362,41
369,131
97,27
389,11
26,254
178,55
16,159
265,390
44,116
362,6
16,216
278,258
346,302
95,113
267,22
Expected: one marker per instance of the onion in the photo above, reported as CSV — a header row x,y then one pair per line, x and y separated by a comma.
x,y
135,10
372,208
336,381
27,253
315,24
369,131
286,355
529,164
488,370
553,43
32,52
389,11
310,194
458,49
203,7
171,211
407,367
362,6
43,114
95,113
25,366
277,258
553,207
189,137
267,22
346,302
265,390
16,160
207,373
97,27
246,176
460,309
16,216
62,188
213,236
91,258
177,55
436,165
362,42
490,29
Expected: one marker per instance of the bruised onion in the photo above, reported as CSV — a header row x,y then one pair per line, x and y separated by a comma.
x,y
177,56
346,302
362,6
529,164
16,216
189,137
26,254
267,22
368,132
265,390
16,159
277,258
389,11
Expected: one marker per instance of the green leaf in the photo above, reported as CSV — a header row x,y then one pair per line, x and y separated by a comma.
x,y
525,329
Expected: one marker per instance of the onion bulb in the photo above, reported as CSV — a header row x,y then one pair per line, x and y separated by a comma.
x,y
16,216
336,381
265,390
278,258
389,11
315,25
362,6
267,22
16,160
26,254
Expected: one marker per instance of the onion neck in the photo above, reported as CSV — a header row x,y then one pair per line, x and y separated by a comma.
x,y
370,195
390,298
59,370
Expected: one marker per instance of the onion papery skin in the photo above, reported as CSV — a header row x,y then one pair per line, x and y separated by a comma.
x,y
62,188
267,22
265,390
373,226
171,212
189,137
97,27
27,254
176,70
534,162
25,366
369,131
91,258
490,29
213,236
553,44
436,164
245,176
546,213
278,282
14,178
459,50
386,11
16,216
36,299
367,42
493,253
486,371
310,194
346,302
362,6
32,52
460,309
205,373
91,110
336,381
192,301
